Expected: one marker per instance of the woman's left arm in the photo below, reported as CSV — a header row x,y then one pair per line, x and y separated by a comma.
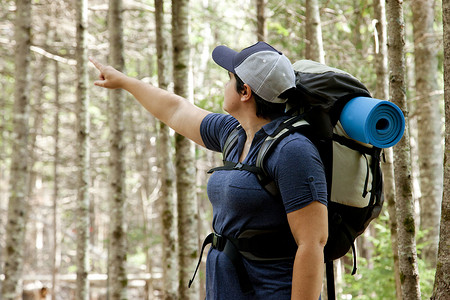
x,y
309,226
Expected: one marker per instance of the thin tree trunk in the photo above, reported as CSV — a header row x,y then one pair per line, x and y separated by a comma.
x,y
3,187
167,193
260,20
402,156
36,114
17,209
147,219
358,20
382,92
117,256
441,288
429,132
56,163
314,45
184,157
82,291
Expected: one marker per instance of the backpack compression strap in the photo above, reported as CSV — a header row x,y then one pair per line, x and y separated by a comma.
x,y
375,153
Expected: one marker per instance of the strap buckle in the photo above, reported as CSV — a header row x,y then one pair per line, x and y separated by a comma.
x,y
218,242
238,166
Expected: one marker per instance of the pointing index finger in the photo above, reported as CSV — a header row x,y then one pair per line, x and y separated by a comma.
x,y
98,65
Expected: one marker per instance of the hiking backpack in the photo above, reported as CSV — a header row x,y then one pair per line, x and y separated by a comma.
x,y
353,173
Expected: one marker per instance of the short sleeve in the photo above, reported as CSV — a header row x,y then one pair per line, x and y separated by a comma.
x,y
215,128
298,172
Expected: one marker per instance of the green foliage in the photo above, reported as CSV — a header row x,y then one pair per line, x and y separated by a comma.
x,y
426,274
285,28
378,282
278,28
138,258
426,279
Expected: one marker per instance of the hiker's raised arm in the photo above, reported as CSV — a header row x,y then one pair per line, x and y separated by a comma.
x,y
175,111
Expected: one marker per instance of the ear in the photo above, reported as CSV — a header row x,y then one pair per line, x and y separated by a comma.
x,y
246,93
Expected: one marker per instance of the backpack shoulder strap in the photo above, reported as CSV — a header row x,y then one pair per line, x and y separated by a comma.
x,y
231,141
293,124
289,126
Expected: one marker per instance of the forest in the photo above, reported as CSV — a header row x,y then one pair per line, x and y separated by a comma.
x,y
100,200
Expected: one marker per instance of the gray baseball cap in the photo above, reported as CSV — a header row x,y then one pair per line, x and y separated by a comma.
x,y
266,70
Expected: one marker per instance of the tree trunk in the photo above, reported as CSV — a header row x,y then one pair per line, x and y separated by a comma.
x,y
260,20
167,193
184,157
39,70
55,217
441,288
429,132
382,92
314,45
17,208
402,156
358,20
82,291
117,252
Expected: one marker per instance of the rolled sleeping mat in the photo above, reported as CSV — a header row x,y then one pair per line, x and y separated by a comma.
x,y
372,121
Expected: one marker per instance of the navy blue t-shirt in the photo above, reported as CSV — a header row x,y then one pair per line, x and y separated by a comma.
x,y
240,203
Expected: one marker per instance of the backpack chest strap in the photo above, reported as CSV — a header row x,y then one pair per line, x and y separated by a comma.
x,y
230,165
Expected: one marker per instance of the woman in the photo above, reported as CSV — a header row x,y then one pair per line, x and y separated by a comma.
x,y
259,78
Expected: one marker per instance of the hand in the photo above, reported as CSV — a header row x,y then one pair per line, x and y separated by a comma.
x,y
109,77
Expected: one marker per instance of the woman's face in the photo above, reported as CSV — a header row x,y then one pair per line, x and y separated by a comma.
x,y
231,97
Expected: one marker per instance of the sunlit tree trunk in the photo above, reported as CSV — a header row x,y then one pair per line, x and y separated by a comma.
x,y
441,288
3,138
83,128
429,132
260,20
167,193
402,155
314,45
117,251
17,208
382,92
184,157
56,163
39,71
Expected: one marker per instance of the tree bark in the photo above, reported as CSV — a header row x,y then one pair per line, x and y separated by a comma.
x,y
441,288
260,20
184,156
167,193
402,156
17,208
55,216
429,132
382,92
314,45
118,249
39,70
83,120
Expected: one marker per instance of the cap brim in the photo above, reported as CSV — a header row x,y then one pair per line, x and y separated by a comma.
x,y
224,56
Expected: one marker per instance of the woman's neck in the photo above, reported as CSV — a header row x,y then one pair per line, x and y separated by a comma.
x,y
251,127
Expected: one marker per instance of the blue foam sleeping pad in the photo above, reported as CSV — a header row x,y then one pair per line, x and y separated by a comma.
x,y
372,121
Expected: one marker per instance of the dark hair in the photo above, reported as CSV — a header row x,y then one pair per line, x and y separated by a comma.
x,y
264,109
